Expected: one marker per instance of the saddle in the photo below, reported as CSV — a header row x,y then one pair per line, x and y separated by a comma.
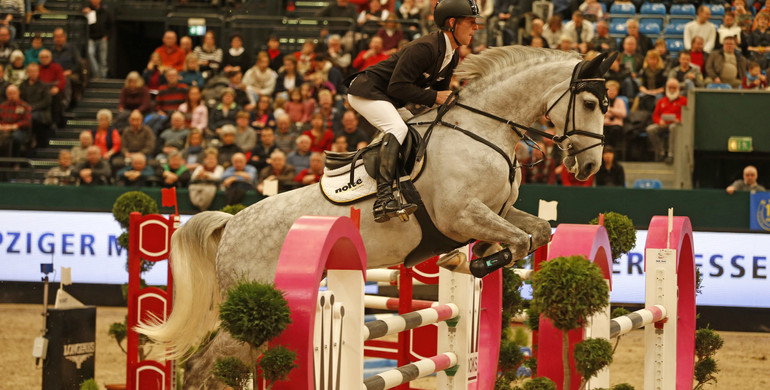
x,y
350,177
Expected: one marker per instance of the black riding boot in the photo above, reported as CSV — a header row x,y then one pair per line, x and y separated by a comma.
x,y
387,206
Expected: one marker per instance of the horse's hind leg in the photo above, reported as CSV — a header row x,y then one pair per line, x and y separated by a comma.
x,y
199,366
538,228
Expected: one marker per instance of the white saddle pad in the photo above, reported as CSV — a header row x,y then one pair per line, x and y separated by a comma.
x,y
336,185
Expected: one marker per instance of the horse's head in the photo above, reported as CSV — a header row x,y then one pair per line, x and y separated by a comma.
x,y
579,112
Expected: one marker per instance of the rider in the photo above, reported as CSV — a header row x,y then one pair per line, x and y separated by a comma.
x,y
419,73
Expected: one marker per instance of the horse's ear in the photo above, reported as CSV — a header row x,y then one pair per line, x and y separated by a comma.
x,y
605,66
591,69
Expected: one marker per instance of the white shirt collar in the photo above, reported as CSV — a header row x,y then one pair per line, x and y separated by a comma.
x,y
449,53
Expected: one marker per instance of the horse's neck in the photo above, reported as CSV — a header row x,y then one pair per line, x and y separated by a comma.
x,y
521,98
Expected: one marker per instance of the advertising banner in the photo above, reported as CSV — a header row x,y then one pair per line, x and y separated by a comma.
x,y
734,265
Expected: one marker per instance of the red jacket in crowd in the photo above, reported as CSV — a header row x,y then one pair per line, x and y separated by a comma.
x,y
53,74
666,106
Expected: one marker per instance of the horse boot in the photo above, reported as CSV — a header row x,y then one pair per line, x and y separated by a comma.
x,y
491,263
387,205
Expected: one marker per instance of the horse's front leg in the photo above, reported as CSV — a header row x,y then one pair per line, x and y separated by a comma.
x,y
538,228
476,220
492,256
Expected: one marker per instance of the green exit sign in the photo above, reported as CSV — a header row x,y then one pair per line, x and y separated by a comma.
x,y
740,144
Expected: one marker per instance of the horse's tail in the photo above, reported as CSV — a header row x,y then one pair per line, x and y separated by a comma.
x,y
196,291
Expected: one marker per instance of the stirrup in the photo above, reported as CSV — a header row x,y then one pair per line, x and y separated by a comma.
x,y
403,210
406,210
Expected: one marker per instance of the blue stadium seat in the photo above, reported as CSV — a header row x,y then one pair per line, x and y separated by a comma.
x,y
719,86
622,19
618,29
650,29
622,9
716,10
648,184
653,9
682,10
652,12
674,45
674,30
681,21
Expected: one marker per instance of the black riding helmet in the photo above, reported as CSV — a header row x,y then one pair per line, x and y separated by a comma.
x,y
447,9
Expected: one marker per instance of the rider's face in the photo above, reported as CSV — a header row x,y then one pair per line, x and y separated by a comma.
x,y
464,30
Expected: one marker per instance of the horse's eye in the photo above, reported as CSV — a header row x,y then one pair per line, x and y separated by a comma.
x,y
589,105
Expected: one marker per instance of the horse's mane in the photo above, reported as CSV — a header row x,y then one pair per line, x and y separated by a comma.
x,y
508,59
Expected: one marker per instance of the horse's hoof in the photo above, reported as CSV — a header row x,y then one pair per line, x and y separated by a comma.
x,y
455,261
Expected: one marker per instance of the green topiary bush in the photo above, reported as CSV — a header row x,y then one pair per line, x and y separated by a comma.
x,y
254,312
89,384
707,343
512,300
619,312
540,383
568,290
232,372
521,337
531,363
620,230
132,201
510,356
591,356
233,208
623,386
533,318
118,331
276,363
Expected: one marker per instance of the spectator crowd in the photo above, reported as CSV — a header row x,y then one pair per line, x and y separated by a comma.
x,y
252,116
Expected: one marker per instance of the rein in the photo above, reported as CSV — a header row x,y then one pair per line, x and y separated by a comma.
x,y
443,109
576,85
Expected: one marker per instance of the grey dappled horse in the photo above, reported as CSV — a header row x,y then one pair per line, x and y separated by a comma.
x,y
466,185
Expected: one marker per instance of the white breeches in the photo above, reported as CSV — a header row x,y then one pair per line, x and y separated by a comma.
x,y
381,114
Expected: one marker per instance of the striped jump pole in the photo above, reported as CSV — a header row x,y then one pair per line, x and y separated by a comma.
x,y
384,327
382,275
410,372
624,324
388,303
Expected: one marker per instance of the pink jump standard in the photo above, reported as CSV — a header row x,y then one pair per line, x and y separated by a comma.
x,y
328,331
668,319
